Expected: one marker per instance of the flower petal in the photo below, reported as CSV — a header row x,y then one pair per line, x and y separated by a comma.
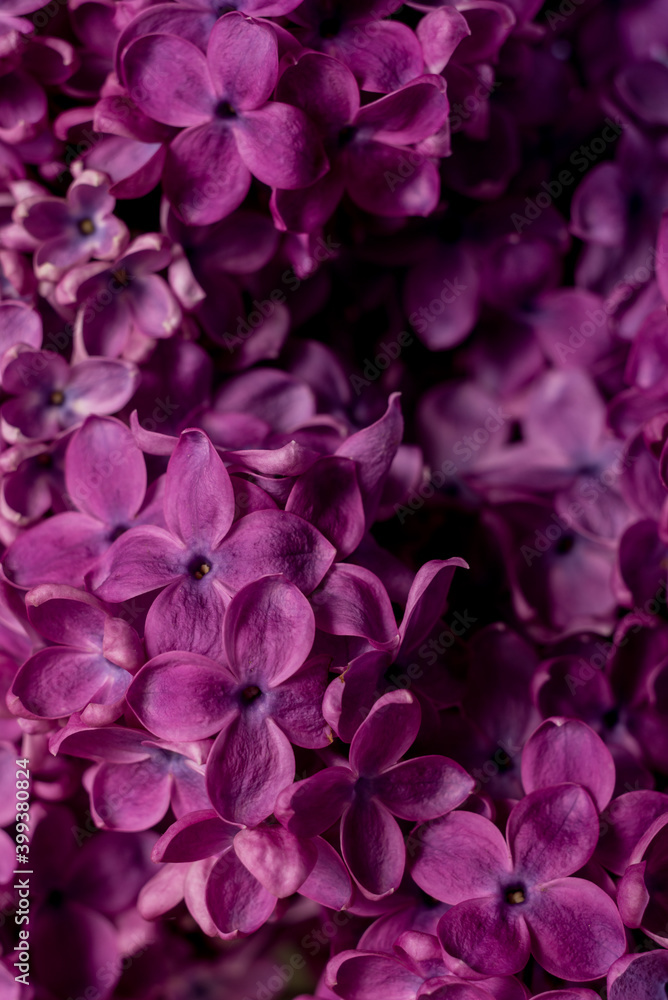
x,y
268,632
250,763
460,857
552,832
182,696
373,847
576,931
484,935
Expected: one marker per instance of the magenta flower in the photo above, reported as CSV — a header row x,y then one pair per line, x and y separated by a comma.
x,y
262,696
52,396
237,875
514,898
136,779
89,668
201,558
105,478
374,789
369,148
74,229
123,303
383,54
232,131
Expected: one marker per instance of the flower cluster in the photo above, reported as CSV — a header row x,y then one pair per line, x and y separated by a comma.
x,y
334,500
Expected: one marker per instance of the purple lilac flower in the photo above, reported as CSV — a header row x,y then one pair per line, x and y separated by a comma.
x,y
105,478
73,230
232,130
512,898
372,790
201,558
261,695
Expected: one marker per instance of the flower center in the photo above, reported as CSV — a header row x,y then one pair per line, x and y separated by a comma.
x,y
121,276
199,572
57,398
250,694
225,110
87,227
515,896
346,135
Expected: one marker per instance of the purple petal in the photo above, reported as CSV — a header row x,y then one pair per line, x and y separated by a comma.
x,y
576,931
269,542
408,115
194,837
204,177
311,806
187,615
199,499
377,179
58,681
482,933
168,79
386,734
183,696
280,861
100,385
427,599
374,449
367,977
268,631
243,61
461,856
351,600
105,472
296,704
553,832
238,904
328,497
329,883
131,796
250,763
142,559
567,750
280,146
373,847
60,550
423,788
19,324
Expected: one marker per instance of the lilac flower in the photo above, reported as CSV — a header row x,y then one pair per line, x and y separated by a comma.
x,y
122,304
382,54
105,477
52,396
366,146
232,130
259,699
237,875
136,779
356,691
510,899
72,230
90,667
201,558
372,790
